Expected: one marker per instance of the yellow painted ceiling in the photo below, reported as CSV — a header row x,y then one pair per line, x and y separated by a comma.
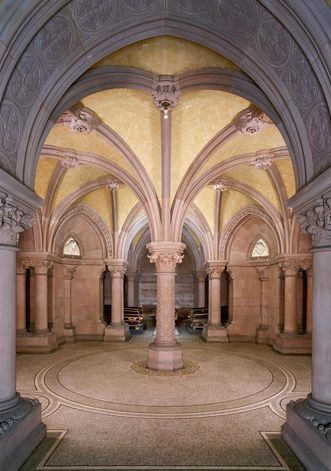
x,y
258,179
166,55
198,117
285,168
93,143
45,169
205,201
133,116
126,201
232,202
74,178
240,144
100,201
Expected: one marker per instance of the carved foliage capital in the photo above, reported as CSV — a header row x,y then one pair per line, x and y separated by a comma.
x,y
201,274
165,261
262,163
221,186
70,161
215,270
290,267
69,272
81,119
117,268
42,267
316,221
166,93
12,221
261,273
253,121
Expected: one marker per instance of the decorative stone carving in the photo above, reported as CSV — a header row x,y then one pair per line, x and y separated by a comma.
x,y
166,93
237,17
317,221
214,269
138,5
274,42
165,262
81,119
7,164
253,121
112,185
194,7
221,186
70,161
5,424
261,273
302,82
260,249
262,163
320,420
290,267
10,127
42,267
319,128
93,16
117,268
69,272
12,221
56,39
201,275
71,248
26,80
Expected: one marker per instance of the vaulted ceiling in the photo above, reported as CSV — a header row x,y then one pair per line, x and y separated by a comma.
x,y
210,144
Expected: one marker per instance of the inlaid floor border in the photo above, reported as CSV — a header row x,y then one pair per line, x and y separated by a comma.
x,y
43,466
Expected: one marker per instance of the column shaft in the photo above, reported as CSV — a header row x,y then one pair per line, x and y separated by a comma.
x,y
41,316
116,298
21,301
7,323
290,304
309,302
215,292
131,291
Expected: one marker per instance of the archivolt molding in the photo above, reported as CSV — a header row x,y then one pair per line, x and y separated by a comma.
x,y
232,227
132,225
96,222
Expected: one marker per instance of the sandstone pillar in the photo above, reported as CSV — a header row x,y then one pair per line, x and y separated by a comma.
x,y
21,428
165,353
308,427
309,301
21,298
214,331
41,269
263,330
201,279
117,330
131,279
69,329
290,303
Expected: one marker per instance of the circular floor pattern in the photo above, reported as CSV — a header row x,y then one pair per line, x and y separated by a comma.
x,y
104,382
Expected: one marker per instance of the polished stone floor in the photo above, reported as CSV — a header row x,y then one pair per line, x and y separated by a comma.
x,y
104,411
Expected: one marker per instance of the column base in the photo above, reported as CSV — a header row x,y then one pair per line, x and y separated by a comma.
x,y
163,357
116,333
69,334
292,343
215,333
263,335
36,343
21,430
307,432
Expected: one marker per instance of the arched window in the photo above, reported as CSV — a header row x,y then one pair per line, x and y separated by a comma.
x,y
71,248
260,249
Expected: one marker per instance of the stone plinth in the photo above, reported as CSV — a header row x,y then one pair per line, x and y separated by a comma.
x,y
116,333
69,334
263,335
31,343
292,343
214,333
165,357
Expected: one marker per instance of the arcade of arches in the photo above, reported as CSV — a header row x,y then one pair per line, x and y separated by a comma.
x,y
154,169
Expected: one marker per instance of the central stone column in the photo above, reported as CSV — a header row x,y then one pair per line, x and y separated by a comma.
x,y
308,421
165,353
201,279
69,329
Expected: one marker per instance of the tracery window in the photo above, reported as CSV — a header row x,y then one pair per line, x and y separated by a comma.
x,y
260,249
71,248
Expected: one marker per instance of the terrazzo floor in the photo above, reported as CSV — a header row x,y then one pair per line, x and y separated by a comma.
x,y
103,411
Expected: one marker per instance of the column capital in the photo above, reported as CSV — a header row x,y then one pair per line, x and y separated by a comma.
x,y
42,267
215,268
69,272
12,221
166,93
261,273
22,265
131,275
290,267
166,255
316,221
117,267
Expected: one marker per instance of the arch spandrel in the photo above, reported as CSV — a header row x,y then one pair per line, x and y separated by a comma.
x,y
72,40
